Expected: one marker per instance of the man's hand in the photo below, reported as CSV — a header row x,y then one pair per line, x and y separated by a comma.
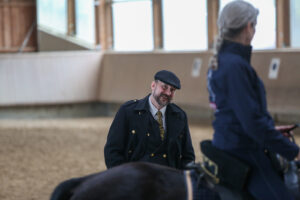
x,y
286,130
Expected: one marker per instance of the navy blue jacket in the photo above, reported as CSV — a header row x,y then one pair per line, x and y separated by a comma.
x,y
241,117
130,135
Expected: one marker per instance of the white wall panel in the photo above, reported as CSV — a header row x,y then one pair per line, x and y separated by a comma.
x,y
46,78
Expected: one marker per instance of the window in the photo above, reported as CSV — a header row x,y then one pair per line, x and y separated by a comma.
x,y
85,20
265,36
53,14
132,25
295,23
184,25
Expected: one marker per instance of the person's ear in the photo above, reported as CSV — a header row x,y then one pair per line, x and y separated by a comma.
x,y
249,26
153,84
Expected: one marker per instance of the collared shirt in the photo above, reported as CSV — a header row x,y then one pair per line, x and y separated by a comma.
x,y
154,110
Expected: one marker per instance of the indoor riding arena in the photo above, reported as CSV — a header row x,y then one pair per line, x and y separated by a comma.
x,y
37,154
65,71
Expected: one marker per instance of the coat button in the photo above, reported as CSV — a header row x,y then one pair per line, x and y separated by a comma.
x,y
148,134
152,155
180,156
129,151
164,155
133,131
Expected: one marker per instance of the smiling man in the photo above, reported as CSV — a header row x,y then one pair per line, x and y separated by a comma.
x,y
151,129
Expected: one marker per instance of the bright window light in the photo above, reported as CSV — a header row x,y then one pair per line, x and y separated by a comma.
x,y
53,14
295,23
85,20
265,36
184,25
132,25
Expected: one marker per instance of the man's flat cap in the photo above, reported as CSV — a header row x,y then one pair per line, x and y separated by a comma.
x,y
168,77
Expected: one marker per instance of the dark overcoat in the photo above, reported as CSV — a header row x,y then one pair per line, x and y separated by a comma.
x,y
131,133
243,126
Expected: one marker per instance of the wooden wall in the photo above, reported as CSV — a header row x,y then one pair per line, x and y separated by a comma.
x,y
127,76
18,24
74,77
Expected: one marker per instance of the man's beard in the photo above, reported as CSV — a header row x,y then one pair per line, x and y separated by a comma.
x,y
162,103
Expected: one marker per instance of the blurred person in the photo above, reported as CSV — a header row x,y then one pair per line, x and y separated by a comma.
x,y
242,126
151,129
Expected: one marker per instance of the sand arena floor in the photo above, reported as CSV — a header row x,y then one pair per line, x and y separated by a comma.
x,y
35,155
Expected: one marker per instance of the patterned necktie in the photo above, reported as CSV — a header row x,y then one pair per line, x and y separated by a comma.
x,y
160,122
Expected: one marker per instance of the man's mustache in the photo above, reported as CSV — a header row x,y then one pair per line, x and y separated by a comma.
x,y
166,96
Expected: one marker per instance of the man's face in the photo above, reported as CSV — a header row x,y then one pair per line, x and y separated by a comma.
x,y
162,92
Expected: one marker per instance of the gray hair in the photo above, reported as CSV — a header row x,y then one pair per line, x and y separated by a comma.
x,y
232,19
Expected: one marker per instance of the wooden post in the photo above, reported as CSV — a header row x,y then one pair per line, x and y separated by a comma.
x,y
103,24
212,17
109,24
97,22
157,24
71,17
283,23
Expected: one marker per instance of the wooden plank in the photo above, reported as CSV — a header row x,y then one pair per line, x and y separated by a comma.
x,y
212,17
17,26
18,17
16,49
157,24
6,25
1,26
283,23
18,2
23,18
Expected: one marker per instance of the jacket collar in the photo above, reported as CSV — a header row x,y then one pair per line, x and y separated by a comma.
x,y
142,104
237,48
172,108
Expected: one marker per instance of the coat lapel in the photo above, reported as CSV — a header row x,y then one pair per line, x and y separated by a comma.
x,y
142,109
175,123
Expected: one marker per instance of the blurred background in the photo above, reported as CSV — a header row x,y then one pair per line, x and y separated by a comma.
x,y
67,65
85,57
